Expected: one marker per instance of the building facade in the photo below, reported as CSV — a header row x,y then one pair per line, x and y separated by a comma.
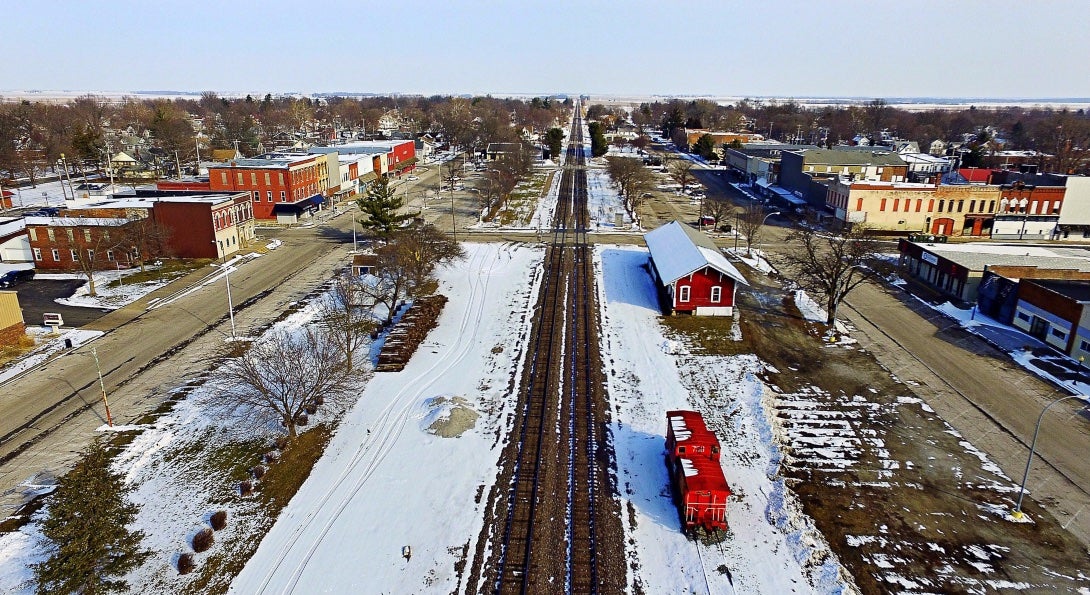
x,y
277,182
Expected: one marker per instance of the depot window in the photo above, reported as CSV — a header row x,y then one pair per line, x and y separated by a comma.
x,y
717,294
683,294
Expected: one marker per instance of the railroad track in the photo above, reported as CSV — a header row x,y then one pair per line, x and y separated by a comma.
x,y
544,541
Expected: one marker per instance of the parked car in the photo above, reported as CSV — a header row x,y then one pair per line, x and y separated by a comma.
x,y
11,278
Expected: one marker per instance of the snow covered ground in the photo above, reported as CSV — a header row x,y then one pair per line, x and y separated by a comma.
x,y
47,346
772,546
387,480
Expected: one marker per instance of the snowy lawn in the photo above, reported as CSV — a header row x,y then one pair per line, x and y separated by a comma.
x,y
389,479
48,345
772,547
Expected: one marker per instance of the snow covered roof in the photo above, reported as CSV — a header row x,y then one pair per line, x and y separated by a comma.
x,y
678,251
78,221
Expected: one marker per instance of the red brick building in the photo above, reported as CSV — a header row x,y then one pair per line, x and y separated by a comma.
x,y
205,226
279,184
72,243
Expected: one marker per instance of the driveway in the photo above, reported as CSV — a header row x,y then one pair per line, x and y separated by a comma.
x,y
37,297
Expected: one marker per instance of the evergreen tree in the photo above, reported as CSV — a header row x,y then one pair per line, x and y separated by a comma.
x,y
554,138
87,522
705,147
381,205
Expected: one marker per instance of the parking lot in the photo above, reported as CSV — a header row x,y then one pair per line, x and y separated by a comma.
x,y
37,297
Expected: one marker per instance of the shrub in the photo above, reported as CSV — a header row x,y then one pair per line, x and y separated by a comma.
x,y
246,488
281,442
203,540
259,471
271,457
311,409
186,563
302,420
218,520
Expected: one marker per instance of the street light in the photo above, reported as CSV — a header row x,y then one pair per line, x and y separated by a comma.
x,y
759,241
1017,514
102,385
230,304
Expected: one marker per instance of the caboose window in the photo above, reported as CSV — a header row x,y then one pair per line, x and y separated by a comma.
x,y
715,450
681,450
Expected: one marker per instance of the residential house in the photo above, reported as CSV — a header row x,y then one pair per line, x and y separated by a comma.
x,y
691,274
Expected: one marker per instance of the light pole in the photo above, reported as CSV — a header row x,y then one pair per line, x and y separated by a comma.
x,y
1017,514
102,385
759,241
230,304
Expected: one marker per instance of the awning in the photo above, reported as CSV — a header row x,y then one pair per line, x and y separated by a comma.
x,y
368,177
296,208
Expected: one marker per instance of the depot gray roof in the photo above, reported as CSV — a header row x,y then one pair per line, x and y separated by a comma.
x,y
678,251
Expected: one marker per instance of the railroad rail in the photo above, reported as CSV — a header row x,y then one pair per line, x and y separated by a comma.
x,y
544,541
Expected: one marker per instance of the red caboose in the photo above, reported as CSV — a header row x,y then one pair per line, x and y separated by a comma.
x,y
692,458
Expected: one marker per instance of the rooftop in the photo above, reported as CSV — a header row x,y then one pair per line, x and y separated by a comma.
x,y
850,157
978,256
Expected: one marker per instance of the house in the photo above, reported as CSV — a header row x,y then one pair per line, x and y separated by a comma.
x,y
720,138
690,272
12,329
937,148
123,162
225,155
496,150
6,197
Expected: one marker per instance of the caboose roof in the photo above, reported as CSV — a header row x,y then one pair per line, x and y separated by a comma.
x,y
678,251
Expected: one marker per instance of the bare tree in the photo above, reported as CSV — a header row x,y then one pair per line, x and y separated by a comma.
x,y
346,316
632,179
750,223
282,376
718,209
682,172
406,265
145,240
831,264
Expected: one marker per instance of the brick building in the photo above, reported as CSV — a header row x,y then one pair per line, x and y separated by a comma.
x,y
387,156
281,185
69,243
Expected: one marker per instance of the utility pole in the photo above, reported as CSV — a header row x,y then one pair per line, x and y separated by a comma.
x,y
64,164
102,385
178,163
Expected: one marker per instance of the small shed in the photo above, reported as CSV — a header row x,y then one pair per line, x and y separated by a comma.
x,y
690,271
364,264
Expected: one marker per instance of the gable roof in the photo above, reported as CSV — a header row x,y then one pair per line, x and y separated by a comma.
x,y
678,251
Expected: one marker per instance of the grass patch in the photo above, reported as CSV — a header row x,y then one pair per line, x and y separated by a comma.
x,y
11,352
708,335
171,269
276,489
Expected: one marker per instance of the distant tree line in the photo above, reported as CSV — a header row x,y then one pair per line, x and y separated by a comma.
x,y
1062,134
33,134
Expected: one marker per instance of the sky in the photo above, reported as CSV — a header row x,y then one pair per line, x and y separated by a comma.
x,y
841,48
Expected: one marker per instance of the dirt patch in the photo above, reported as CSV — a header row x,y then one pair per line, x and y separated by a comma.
x,y
449,417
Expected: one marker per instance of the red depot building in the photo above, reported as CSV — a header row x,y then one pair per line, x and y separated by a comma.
x,y
691,273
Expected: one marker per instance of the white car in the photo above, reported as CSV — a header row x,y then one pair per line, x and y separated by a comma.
x,y
412,178
273,245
